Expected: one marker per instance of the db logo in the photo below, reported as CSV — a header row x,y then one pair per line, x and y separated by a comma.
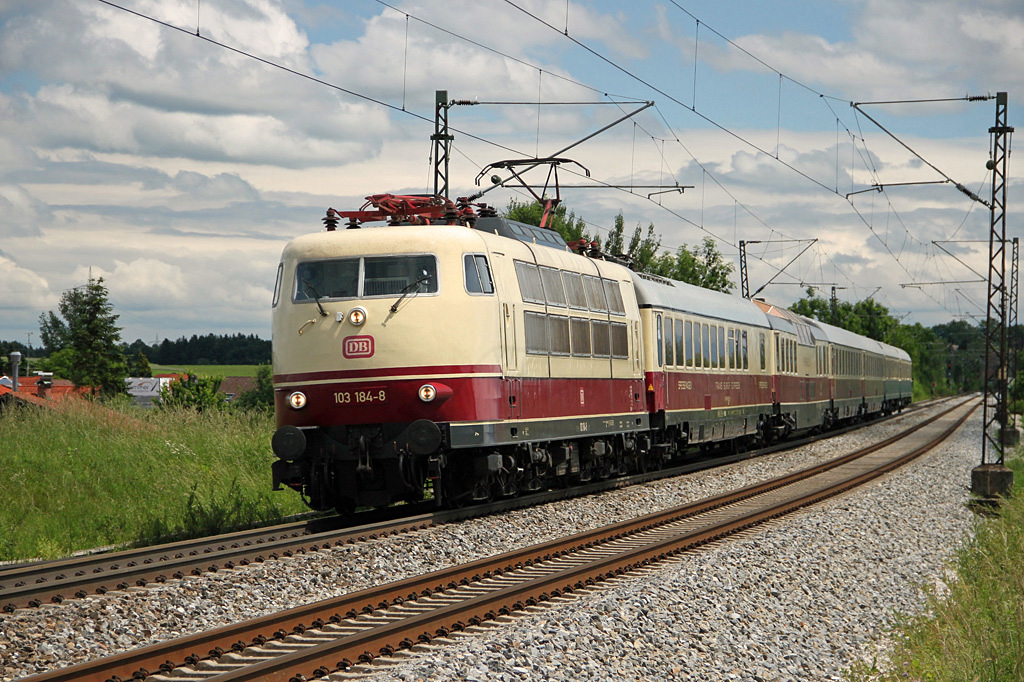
x,y
357,346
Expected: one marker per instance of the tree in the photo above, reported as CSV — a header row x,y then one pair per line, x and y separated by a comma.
x,y
260,397
702,265
569,226
193,392
89,330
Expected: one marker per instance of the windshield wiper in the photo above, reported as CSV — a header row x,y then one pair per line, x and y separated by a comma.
x,y
410,288
316,296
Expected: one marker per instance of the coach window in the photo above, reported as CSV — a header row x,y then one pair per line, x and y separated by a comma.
x,y
705,331
743,347
579,335
689,343
661,341
477,273
730,344
721,347
763,354
680,343
529,282
714,347
574,291
670,342
553,292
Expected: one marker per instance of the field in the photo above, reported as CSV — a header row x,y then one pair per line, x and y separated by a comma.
x,y
207,370
89,475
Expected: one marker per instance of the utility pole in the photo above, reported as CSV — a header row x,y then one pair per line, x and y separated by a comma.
x,y
442,143
744,284
992,478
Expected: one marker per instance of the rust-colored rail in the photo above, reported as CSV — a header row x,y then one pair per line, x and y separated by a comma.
x,y
373,638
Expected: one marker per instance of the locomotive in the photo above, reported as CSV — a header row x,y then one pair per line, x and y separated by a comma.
x,y
454,351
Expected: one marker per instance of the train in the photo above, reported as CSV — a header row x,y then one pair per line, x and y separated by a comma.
x,y
454,353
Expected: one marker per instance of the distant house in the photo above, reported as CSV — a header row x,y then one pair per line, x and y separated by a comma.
x,y
232,387
40,388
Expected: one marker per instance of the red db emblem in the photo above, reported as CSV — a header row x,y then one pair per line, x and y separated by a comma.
x,y
357,346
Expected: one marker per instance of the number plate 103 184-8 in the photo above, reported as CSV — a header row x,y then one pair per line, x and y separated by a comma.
x,y
362,396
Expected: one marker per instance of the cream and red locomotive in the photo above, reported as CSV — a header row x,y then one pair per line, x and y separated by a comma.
x,y
471,356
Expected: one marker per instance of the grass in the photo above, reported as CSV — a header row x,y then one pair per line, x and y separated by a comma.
x,y
90,475
975,633
207,370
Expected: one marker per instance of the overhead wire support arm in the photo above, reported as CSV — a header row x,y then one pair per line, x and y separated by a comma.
x,y
744,284
965,190
881,186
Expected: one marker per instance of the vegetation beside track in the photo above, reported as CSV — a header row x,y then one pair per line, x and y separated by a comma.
x,y
95,474
975,630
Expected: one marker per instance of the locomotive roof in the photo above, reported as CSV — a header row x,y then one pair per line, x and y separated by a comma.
x,y
658,292
513,229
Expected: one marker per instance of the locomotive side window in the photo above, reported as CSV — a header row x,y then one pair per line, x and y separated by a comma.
x,y
731,344
277,284
763,363
327,279
601,345
553,292
529,282
595,294
477,274
579,336
620,340
558,335
614,296
721,347
743,347
574,290
536,333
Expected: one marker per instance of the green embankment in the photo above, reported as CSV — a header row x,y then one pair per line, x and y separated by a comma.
x,y
88,475
975,631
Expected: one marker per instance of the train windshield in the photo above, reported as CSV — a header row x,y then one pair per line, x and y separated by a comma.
x,y
365,277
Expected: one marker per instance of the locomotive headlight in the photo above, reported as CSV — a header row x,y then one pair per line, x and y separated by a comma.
x,y
297,400
427,393
357,316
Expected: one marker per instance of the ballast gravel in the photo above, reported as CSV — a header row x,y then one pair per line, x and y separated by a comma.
x,y
800,599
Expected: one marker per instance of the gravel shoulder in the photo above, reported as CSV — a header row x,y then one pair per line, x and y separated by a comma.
x,y
801,599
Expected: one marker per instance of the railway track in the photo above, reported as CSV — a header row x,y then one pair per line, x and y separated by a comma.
x,y
31,585
342,633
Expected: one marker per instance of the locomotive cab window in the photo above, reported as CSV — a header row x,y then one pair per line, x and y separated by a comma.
x,y
365,277
477,274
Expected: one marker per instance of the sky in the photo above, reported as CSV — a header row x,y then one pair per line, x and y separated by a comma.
x,y
173,147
